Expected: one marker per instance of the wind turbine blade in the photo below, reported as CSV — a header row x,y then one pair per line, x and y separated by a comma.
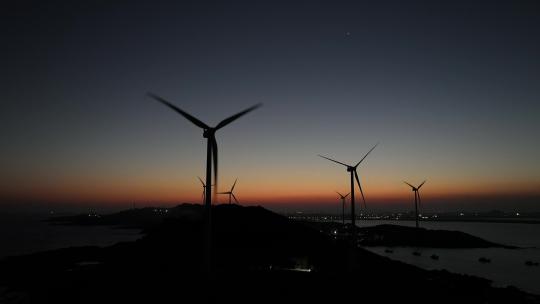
x,y
359,186
188,116
201,181
366,154
223,193
421,184
408,184
227,121
215,159
334,160
419,201
346,195
234,184
340,195
235,198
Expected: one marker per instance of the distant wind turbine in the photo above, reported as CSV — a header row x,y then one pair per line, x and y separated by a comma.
x,y
230,193
354,175
211,155
343,197
204,190
417,201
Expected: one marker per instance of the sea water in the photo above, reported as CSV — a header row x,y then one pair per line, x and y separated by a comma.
x,y
507,266
25,234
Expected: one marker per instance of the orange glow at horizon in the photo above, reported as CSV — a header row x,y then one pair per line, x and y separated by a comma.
x,y
319,190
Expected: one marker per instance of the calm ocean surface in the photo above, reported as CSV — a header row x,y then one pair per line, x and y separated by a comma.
x,y
507,266
23,234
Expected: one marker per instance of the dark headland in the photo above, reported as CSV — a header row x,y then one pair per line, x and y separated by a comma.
x,y
259,257
397,235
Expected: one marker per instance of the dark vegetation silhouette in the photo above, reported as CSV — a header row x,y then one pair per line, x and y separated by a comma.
x,y
260,257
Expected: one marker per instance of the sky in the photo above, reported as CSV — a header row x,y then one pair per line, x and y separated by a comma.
x,y
449,89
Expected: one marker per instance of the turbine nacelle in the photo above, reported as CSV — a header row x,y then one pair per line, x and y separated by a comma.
x,y
211,160
230,193
417,200
341,196
207,133
413,188
354,175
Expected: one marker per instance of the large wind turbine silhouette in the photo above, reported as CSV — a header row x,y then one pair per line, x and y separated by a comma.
x,y
417,201
354,175
230,193
211,156
343,197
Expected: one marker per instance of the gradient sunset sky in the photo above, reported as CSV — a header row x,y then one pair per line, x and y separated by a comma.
x,y
450,89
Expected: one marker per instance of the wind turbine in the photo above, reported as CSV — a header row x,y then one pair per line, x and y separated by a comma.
x,y
204,189
211,156
354,175
416,199
343,197
230,193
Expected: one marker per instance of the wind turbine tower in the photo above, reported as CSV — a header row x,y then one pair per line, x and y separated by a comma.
x,y
211,156
354,175
231,193
343,197
417,201
204,190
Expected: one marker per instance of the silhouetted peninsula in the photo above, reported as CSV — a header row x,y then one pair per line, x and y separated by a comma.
x,y
395,235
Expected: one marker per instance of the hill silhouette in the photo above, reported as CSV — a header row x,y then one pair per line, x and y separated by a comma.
x,y
259,257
